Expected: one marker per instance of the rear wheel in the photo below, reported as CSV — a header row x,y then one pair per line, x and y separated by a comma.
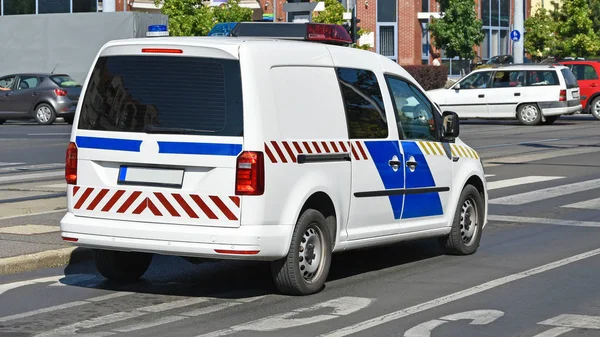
x,y
529,114
550,120
306,266
595,108
466,229
121,266
44,114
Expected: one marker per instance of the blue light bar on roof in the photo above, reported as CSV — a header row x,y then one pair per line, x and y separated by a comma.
x,y
157,30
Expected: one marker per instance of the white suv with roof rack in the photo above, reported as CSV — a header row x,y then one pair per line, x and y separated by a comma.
x,y
255,148
532,93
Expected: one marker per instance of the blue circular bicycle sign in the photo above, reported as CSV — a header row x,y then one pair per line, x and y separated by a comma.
x,y
515,35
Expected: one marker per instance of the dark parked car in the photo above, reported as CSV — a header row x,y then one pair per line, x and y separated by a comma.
x,y
40,96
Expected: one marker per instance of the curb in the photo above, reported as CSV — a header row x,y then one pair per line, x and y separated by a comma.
x,y
45,259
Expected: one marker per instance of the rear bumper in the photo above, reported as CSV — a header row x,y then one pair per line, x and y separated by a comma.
x,y
65,108
271,241
560,108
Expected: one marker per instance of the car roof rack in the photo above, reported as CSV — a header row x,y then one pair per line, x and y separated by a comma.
x,y
308,31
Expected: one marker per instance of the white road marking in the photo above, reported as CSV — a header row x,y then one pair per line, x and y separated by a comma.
x,y
490,175
29,229
390,317
50,134
71,330
160,321
519,181
342,306
554,332
10,164
547,193
535,156
574,321
174,305
477,317
424,329
31,176
32,214
32,167
14,285
210,309
42,311
587,204
54,186
543,221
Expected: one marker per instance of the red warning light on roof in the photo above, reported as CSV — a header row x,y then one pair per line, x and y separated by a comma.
x,y
327,33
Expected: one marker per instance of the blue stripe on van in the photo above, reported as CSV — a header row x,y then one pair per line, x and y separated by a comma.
x,y
123,173
200,148
108,143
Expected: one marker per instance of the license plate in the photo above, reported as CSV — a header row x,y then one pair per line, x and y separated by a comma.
x,y
150,176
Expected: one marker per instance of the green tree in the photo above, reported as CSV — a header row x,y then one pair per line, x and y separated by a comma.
x,y
458,30
334,14
576,30
595,16
541,37
191,18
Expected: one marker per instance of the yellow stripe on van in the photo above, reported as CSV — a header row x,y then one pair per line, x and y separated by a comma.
x,y
452,151
440,148
423,147
431,147
466,151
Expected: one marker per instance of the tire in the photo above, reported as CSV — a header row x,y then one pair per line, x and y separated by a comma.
x,y
459,242
69,119
295,274
44,114
595,108
550,120
121,266
529,114
2,121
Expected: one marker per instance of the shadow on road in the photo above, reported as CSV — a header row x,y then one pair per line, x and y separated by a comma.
x,y
226,279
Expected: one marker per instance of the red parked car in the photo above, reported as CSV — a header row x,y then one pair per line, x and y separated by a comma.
x,y
587,73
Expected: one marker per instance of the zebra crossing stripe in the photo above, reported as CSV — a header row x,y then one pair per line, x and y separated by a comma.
x,y
587,204
518,181
547,193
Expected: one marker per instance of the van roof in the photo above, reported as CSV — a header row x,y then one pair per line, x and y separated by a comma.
x,y
524,66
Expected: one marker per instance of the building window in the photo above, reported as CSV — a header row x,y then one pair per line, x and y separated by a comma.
x,y
495,15
85,6
424,5
424,41
54,6
387,41
14,7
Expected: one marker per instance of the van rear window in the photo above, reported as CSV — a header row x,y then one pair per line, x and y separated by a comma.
x,y
570,78
164,94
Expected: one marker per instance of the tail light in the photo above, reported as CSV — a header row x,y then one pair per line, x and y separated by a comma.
x,y
60,92
250,174
563,96
71,164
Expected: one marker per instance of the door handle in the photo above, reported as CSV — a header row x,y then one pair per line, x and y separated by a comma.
x,y
394,163
34,93
593,85
411,164
481,96
517,94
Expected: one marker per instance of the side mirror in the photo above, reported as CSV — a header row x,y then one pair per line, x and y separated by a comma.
x,y
456,86
450,125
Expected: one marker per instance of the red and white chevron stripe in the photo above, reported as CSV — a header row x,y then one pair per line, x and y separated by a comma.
x,y
177,205
288,151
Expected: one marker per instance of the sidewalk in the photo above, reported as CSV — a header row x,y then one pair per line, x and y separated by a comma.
x,y
29,229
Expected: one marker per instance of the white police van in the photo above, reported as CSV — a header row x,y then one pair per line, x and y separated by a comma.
x,y
252,147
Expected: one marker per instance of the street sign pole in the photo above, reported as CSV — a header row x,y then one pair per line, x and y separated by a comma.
x,y
517,34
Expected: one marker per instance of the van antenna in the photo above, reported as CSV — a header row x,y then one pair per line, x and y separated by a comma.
x,y
54,69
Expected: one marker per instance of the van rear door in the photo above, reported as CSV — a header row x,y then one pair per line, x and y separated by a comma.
x,y
158,136
572,85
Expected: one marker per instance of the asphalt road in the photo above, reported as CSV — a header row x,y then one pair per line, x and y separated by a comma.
x,y
534,275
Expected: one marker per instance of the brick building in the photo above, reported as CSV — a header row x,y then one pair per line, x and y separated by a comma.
x,y
399,27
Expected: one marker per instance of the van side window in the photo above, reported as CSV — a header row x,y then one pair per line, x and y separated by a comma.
x,y
477,80
544,77
504,79
363,103
415,116
584,72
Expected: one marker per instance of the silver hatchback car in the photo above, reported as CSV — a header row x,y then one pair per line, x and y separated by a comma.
x,y
43,97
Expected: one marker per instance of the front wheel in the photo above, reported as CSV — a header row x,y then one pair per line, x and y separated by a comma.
x,y
306,266
467,226
121,266
529,114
